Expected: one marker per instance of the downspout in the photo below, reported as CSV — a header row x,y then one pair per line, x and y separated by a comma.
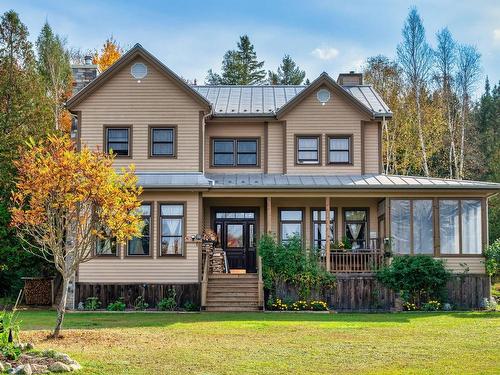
x,y
208,115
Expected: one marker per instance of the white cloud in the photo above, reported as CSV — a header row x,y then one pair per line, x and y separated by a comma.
x,y
325,53
496,35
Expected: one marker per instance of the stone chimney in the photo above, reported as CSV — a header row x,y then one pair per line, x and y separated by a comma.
x,y
350,79
84,74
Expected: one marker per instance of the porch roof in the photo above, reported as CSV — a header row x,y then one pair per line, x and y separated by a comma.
x,y
368,181
167,180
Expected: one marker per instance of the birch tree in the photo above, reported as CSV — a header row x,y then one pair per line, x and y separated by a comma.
x,y
467,77
65,201
446,67
416,57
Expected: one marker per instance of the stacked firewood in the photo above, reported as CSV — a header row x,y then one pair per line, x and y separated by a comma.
x,y
38,291
217,261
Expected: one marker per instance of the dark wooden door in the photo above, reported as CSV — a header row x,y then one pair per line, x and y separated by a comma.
x,y
238,239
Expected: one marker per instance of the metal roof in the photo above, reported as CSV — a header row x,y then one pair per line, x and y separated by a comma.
x,y
371,181
156,180
255,101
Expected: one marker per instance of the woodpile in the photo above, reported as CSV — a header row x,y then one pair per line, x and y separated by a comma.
x,y
217,261
38,291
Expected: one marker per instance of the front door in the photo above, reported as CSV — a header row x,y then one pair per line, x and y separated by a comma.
x,y
236,235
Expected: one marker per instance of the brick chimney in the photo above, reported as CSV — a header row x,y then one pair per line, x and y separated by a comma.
x,y
350,79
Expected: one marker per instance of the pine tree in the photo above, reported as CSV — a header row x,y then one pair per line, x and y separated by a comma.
x,y
239,67
288,73
55,69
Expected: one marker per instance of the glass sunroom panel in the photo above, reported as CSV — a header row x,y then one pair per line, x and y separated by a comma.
x,y
448,226
471,227
400,226
423,227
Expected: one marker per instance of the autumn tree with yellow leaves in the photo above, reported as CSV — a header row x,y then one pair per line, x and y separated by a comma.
x,y
66,200
110,52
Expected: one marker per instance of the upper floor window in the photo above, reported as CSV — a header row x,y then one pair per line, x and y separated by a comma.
x,y
308,150
162,142
340,149
141,245
118,141
235,153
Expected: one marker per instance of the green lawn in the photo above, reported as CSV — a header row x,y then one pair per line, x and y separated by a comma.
x,y
275,343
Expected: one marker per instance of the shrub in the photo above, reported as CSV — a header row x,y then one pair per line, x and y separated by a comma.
x,y
118,305
277,304
489,304
168,303
191,306
418,278
299,305
9,327
92,303
10,351
492,255
291,263
431,306
140,304
318,306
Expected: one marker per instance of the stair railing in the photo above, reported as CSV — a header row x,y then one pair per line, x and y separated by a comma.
x,y
226,265
260,283
204,280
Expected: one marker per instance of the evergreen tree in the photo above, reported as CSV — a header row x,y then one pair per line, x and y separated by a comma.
x,y
239,67
288,73
55,69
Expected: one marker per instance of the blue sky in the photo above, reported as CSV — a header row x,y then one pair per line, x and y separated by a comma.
x,y
334,36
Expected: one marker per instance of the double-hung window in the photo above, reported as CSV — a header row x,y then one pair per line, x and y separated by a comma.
x,y
162,142
460,229
412,226
141,245
172,225
235,152
106,247
291,222
319,228
339,150
308,149
118,141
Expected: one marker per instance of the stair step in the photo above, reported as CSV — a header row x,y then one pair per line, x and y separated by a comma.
x,y
231,308
233,285
234,293
233,276
233,303
232,300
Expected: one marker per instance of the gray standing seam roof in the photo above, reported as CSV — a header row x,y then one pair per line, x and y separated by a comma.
x,y
255,101
369,181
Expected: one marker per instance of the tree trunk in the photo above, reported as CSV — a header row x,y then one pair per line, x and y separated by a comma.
x,y
462,139
61,308
421,135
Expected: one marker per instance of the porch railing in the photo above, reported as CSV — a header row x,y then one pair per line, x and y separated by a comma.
x,y
362,260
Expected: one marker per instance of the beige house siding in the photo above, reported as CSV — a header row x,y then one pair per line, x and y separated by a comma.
x,y
234,130
152,269
460,264
275,147
371,147
156,100
336,117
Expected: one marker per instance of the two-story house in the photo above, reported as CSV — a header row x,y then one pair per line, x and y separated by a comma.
x,y
247,160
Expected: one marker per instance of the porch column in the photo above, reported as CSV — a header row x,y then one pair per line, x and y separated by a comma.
x,y
268,215
327,233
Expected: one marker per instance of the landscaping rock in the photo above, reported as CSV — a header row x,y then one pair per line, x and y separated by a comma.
x,y
64,358
23,370
75,366
39,368
30,346
59,367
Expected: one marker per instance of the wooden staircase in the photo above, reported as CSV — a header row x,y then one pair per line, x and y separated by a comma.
x,y
232,292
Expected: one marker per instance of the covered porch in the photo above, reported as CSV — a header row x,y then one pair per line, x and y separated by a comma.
x,y
354,243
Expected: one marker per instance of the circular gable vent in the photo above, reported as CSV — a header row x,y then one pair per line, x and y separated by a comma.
x,y
323,96
139,70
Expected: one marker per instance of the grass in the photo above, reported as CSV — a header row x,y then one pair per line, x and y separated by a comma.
x,y
274,343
